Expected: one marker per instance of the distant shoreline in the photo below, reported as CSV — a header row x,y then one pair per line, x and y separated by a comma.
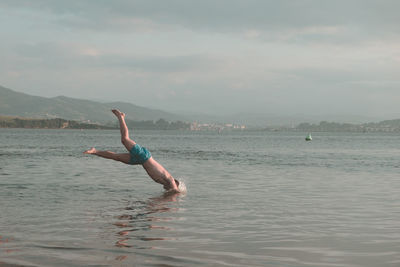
x,y
57,123
161,124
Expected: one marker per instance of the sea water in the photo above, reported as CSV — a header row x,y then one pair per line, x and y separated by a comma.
x,y
253,199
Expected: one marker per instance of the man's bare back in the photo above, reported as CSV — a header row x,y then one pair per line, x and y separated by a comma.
x,y
139,155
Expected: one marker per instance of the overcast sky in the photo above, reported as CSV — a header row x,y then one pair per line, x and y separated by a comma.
x,y
212,56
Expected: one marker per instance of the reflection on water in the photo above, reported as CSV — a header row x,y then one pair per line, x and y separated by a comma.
x,y
139,218
130,232
5,241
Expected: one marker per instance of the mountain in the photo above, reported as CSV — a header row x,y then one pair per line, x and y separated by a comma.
x,y
13,103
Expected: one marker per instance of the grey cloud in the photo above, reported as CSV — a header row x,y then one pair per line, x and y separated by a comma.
x,y
160,63
56,55
43,49
368,16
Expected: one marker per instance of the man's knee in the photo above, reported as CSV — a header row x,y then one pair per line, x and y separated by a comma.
x,y
122,158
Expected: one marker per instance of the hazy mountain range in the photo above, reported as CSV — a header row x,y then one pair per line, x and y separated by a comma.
x,y
19,104
14,103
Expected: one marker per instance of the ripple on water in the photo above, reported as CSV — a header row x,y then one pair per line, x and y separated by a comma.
x,y
258,199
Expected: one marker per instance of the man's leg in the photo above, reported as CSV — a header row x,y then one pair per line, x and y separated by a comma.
x,y
125,140
124,157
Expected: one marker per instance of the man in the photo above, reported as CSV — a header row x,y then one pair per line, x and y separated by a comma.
x,y
139,155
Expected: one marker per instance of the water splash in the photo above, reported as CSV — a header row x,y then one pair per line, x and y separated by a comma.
x,y
182,187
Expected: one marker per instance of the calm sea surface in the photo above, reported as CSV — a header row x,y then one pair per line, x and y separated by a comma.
x,y
254,199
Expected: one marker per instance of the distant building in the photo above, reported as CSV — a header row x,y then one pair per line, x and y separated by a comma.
x,y
195,126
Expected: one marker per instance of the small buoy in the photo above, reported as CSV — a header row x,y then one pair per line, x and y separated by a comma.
x,y
308,137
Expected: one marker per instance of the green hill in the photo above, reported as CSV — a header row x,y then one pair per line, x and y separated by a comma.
x,y
18,122
13,103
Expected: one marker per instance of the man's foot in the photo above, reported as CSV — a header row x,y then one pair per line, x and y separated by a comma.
x,y
90,151
118,113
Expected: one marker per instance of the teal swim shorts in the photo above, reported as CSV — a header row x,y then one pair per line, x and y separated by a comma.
x,y
139,155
